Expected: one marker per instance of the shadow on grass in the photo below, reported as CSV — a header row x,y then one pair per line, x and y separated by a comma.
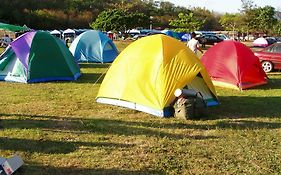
x,y
94,65
273,83
32,168
91,78
246,107
246,124
138,128
102,126
52,147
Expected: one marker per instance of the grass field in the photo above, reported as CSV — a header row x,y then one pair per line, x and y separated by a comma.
x,y
59,129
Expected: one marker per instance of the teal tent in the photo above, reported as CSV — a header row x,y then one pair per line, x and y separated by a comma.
x,y
93,46
37,57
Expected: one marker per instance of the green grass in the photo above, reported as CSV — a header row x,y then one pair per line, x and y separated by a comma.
x,y
58,128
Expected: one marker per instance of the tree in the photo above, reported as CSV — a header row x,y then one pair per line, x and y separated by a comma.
x,y
265,18
248,22
261,19
211,19
62,14
230,22
277,28
118,20
247,5
278,15
187,22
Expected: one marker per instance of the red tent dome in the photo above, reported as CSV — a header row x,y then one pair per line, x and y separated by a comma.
x,y
232,64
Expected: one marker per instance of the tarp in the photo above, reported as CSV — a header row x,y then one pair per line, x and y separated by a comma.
x,y
145,75
133,31
68,35
13,28
37,57
68,31
53,32
232,64
93,46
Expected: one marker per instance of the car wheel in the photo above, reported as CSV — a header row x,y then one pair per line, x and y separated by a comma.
x,y
267,66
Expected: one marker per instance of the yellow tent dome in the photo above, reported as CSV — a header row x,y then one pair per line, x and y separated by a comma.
x,y
146,74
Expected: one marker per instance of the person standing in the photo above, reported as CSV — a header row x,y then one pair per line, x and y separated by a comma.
x,y
193,44
6,40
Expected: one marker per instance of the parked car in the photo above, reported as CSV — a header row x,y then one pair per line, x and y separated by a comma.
x,y
278,39
270,57
209,39
223,36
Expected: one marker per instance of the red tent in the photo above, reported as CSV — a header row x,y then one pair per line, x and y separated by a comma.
x,y
232,64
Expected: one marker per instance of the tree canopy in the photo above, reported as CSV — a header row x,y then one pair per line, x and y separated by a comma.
x,y
119,20
62,14
187,22
230,21
252,19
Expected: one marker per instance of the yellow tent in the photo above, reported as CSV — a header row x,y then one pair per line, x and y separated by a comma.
x,y
146,74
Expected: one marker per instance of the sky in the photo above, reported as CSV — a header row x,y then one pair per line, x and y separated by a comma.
x,y
223,6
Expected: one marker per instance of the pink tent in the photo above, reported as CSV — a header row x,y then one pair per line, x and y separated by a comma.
x,y
260,42
232,64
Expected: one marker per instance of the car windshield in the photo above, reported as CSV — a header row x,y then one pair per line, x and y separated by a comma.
x,y
222,36
276,48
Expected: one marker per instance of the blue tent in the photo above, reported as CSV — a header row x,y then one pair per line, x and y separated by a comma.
x,y
184,36
171,33
93,46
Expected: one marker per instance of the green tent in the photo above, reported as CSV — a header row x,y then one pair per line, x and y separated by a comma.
x,y
13,28
37,57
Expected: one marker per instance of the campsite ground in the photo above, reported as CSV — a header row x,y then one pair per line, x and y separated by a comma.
x,y
58,128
